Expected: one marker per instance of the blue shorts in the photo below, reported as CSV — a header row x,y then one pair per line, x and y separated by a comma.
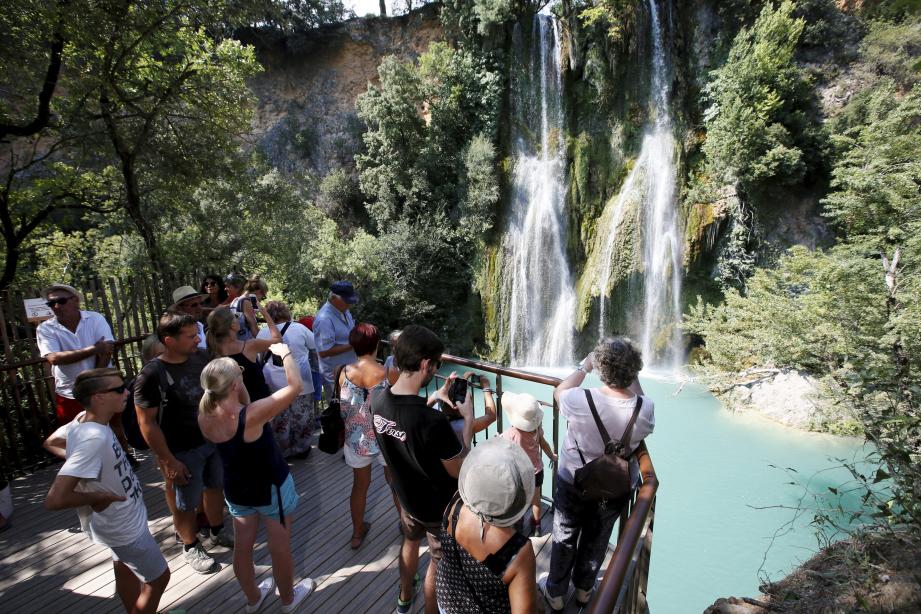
x,y
289,499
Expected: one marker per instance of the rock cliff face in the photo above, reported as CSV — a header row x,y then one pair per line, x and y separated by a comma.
x,y
305,119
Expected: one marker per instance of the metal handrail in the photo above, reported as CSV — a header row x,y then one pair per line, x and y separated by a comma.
x,y
623,587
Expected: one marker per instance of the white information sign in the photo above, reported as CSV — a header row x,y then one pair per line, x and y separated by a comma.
x,y
37,310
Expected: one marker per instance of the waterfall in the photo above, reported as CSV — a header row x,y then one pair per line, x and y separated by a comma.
x,y
656,322
536,278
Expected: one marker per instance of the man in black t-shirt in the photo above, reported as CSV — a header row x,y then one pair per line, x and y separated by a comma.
x,y
166,394
422,452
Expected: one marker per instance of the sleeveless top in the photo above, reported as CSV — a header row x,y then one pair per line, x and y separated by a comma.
x,y
236,306
464,584
253,378
356,413
252,469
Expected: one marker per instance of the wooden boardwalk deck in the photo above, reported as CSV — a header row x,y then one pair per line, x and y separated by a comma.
x,y
47,566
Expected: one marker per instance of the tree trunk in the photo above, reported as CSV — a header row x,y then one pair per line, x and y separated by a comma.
x,y
383,5
133,207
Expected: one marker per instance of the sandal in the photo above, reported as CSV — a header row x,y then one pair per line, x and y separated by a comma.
x,y
357,541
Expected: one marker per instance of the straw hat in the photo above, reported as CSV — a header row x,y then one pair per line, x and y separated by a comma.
x,y
496,482
73,291
522,411
184,293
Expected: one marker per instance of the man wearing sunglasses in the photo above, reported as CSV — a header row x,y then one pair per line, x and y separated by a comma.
x,y
72,341
187,299
98,481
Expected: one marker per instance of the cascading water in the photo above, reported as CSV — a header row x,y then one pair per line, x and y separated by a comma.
x,y
536,280
656,323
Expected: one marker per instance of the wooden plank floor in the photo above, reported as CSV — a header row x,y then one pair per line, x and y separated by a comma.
x,y
46,565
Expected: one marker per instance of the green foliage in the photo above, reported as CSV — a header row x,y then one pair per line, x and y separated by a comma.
x,y
612,15
429,174
813,311
851,315
894,50
420,121
471,20
756,125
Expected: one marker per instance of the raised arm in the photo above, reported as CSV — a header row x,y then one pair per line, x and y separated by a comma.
x,y
575,379
263,410
254,347
489,405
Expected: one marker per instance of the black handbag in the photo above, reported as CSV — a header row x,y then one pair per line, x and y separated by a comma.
x,y
333,436
606,479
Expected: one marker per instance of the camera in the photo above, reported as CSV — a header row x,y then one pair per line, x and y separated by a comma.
x,y
255,301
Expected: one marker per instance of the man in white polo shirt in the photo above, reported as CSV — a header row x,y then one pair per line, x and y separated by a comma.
x,y
187,299
72,341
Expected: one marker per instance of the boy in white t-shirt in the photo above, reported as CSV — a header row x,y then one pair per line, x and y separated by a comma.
x,y
98,481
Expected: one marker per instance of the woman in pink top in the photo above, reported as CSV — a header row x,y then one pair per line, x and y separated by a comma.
x,y
525,416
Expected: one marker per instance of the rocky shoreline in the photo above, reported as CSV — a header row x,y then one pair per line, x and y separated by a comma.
x,y
876,573
787,396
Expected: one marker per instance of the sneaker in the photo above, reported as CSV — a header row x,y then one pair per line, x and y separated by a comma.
x,y
583,597
199,560
135,463
556,603
223,539
301,590
405,606
265,587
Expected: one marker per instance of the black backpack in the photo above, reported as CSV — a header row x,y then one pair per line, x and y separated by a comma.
x,y
129,415
606,479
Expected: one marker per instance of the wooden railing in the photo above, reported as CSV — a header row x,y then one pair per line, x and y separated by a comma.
x,y
623,587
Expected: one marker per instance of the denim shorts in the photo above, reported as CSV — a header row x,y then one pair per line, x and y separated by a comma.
x,y
204,463
289,499
142,556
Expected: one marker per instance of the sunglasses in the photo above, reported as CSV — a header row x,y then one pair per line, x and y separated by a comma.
x,y
117,389
192,305
209,283
54,302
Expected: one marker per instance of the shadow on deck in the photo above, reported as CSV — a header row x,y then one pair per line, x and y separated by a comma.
x,y
47,566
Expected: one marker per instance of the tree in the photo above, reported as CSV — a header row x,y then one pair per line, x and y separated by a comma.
x,y
756,123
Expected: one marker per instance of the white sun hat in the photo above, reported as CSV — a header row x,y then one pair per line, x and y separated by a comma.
x,y
522,411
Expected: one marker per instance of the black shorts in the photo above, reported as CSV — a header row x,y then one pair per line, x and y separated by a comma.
x,y
538,479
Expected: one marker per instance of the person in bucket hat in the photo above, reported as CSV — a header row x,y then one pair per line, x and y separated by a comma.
x,y
486,565
187,299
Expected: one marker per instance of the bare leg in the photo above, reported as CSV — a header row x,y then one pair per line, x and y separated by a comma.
x,y
127,585
409,562
361,479
214,506
431,602
149,598
393,493
535,507
244,530
282,563
186,526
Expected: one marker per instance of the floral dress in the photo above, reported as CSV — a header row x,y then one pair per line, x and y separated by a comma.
x,y
355,406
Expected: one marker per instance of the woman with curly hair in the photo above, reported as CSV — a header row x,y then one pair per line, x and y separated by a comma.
x,y
582,528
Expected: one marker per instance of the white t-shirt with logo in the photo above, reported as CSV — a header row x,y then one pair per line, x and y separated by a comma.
x,y
96,457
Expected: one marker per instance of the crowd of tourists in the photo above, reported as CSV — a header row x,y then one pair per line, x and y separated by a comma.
x,y
229,394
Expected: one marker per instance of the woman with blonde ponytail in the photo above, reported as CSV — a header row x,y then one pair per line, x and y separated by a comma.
x,y
257,482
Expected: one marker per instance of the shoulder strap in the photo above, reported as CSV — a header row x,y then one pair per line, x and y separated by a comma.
x,y
628,432
591,405
336,388
499,561
267,356
166,382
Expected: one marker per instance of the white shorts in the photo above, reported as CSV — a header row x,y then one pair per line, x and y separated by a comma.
x,y
357,461
143,557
